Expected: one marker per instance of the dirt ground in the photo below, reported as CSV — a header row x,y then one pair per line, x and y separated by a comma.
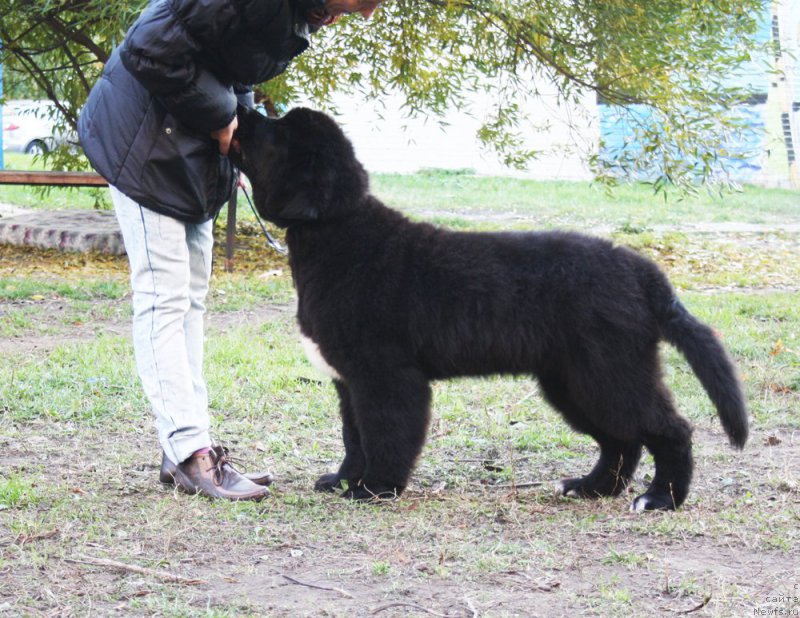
x,y
104,538
486,551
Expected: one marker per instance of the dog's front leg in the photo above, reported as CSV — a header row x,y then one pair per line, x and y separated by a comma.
x,y
391,408
352,467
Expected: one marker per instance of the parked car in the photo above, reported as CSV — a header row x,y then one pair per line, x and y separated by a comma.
x,y
30,127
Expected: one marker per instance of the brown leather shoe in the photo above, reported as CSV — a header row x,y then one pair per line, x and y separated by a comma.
x,y
167,473
212,475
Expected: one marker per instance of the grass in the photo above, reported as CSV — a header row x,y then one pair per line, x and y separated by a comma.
x,y
576,204
459,199
15,493
479,530
15,289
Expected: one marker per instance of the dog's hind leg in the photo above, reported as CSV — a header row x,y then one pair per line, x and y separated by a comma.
x,y
669,440
352,467
619,456
391,411
611,474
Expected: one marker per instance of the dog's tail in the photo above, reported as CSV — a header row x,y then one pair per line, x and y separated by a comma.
x,y
705,353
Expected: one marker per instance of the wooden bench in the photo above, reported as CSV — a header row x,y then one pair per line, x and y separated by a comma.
x,y
60,179
90,179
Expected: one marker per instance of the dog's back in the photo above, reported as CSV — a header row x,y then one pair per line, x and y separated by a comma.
x,y
463,303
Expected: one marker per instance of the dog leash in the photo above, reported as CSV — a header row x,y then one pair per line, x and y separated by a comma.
x,y
271,240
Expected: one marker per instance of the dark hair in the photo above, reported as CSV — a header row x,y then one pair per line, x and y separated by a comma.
x,y
304,6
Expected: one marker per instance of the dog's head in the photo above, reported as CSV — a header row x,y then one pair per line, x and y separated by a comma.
x,y
301,166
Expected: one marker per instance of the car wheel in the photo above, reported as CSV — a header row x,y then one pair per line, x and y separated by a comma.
x,y
36,147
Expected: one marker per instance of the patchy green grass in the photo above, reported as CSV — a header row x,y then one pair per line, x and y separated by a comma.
x,y
15,493
73,384
35,289
752,259
15,322
461,526
247,292
479,531
463,197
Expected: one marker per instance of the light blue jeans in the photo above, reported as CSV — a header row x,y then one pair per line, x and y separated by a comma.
x,y
170,264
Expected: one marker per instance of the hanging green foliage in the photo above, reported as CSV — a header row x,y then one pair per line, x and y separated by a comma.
x,y
673,56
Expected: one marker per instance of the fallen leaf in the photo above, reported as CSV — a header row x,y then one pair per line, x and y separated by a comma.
x,y
779,388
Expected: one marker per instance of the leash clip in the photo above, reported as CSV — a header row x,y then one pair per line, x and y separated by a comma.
x,y
271,240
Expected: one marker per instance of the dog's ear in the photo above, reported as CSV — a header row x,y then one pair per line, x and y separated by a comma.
x,y
317,162
246,128
297,207
306,198
247,118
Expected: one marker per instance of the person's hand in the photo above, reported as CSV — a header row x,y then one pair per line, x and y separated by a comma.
x,y
225,135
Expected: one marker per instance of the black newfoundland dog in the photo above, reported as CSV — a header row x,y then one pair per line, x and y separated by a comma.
x,y
386,305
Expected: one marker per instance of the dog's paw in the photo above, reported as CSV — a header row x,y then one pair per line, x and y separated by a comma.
x,y
579,488
566,487
328,482
591,487
375,493
652,502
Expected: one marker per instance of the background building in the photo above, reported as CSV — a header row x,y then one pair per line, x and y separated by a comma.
x,y
566,135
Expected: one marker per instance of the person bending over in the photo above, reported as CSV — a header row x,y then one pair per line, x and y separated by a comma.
x,y
158,126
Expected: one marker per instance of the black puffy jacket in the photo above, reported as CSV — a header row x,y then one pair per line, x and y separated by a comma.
x,y
175,78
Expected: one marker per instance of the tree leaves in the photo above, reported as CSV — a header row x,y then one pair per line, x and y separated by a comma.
x,y
672,57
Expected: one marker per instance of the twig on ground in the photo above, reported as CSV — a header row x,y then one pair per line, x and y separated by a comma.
x,y
703,603
515,485
307,585
697,608
471,607
411,605
22,539
132,568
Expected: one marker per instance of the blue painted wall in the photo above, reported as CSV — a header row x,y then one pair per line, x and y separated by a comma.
x,y
763,151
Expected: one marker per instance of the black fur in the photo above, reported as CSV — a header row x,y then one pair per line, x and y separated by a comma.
x,y
394,304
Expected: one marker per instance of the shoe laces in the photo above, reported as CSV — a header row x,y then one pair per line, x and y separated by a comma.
x,y
220,459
